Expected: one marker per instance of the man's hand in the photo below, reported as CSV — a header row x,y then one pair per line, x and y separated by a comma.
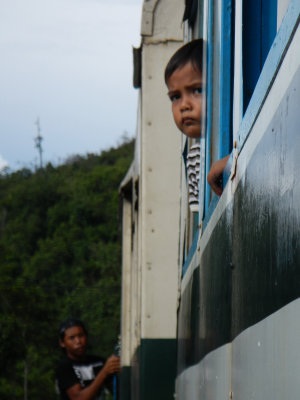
x,y
214,177
112,365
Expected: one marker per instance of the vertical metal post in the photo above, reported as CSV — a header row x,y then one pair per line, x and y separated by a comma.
x,y
209,97
225,125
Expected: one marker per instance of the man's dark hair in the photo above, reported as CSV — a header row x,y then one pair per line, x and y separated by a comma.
x,y
190,52
69,323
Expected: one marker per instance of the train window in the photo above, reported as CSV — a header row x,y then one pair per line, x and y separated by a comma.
x,y
256,22
259,30
193,21
213,23
237,74
275,27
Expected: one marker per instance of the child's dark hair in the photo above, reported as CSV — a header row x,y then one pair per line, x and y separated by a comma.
x,y
69,323
190,52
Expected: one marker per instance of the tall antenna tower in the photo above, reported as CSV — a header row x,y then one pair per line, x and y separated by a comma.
x,y
38,141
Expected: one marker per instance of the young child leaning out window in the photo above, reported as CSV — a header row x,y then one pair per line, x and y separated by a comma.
x,y
183,77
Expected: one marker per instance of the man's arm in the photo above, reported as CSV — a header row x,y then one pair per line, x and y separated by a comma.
x,y
214,177
76,392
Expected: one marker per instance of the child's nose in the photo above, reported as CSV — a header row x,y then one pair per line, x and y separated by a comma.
x,y
185,103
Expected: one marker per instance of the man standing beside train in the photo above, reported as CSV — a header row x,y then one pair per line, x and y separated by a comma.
x,y
80,376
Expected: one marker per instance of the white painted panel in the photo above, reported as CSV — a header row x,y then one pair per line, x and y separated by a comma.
x,y
160,171
262,363
266,358
210,379
155,15
126,284
159,197
282,6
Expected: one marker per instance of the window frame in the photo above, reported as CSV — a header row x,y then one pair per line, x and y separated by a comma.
x,y
225,95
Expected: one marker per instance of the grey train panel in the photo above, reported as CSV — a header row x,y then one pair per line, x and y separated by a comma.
x,y
266,357
209,379
262,363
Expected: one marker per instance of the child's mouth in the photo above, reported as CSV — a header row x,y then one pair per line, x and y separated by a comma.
x,y
188,121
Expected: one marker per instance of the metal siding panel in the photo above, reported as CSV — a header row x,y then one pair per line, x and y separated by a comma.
x,y
157,369
204,321
125,385
266,253
209,379
266,358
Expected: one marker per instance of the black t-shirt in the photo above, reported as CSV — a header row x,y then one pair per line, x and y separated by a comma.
x,y
70,372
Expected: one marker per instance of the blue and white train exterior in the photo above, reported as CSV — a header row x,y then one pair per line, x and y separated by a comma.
x,y
239,314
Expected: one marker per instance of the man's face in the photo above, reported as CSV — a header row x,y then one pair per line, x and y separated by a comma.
x,y
74,342
185,92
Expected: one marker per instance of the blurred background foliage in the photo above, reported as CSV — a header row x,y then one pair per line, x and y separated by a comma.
x,y
60,256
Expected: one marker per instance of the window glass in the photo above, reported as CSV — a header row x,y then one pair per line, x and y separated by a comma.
x,y
259,30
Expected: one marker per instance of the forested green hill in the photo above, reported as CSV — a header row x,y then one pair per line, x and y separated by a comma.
x,y
60,256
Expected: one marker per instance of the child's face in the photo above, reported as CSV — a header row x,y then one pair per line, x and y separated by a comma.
x,y
185,91
74,342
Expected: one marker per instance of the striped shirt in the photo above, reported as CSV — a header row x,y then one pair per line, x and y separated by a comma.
x,y
193,173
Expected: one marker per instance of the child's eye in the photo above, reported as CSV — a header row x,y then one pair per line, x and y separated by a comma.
x,y
174,97
198,90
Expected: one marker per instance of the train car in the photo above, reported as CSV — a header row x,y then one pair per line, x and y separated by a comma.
x,y
238,257
151,207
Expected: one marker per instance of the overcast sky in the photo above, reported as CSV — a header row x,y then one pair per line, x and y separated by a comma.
x,y
68,63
